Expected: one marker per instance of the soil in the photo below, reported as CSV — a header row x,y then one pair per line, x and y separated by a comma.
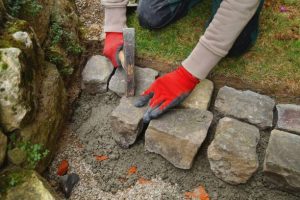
x,y
88,135
91,16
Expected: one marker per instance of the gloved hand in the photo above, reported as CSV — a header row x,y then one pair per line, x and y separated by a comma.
x,y
113,44
166,92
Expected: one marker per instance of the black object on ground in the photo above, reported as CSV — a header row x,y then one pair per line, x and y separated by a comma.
x,y
67,183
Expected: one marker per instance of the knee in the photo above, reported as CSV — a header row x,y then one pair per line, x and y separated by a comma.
x,y
151,15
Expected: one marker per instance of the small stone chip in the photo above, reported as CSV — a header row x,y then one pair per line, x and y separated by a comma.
x,y
282,160
95,74
178,134
288,117
201,96
127,121
232,154
252,107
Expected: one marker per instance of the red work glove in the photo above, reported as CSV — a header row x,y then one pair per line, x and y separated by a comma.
x,y
166,92
112,46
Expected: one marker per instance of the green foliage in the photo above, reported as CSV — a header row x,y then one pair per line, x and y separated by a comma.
x,y
31,7
34,152
62,44
10,180
67,40
14,179
66,71
56,59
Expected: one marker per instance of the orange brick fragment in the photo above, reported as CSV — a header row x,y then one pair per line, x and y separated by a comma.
x,y
198,193
63,168
101,158
132,170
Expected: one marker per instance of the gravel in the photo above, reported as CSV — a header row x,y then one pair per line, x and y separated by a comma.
x,y
88,134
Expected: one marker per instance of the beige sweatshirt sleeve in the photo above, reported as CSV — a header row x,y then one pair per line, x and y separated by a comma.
x,y
115,15
227,24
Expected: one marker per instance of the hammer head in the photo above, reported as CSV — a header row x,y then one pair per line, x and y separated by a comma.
x,y
127,59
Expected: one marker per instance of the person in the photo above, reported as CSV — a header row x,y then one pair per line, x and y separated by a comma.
x,y
232,30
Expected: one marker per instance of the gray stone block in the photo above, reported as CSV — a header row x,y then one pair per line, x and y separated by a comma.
x,y
95,74
248,106
232,153
282,160
201,96
144,77
127,122
288,117
178,134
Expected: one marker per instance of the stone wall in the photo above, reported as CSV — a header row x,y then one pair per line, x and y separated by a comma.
x,y
39,50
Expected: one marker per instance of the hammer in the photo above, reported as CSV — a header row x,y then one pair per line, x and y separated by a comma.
x,y
126,56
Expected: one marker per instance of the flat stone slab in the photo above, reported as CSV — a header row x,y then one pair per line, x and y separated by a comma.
x,y
282,160
127,122
288,117
178,134
248,106
232,153
96,73
201,96
144,77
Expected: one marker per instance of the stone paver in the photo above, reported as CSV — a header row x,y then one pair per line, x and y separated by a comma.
x,y
288,117
178,134
144,77
232,153
201,96
249,106
95,74
3,145
282,160
127,121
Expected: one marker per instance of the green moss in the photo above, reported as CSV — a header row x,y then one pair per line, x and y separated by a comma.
x,y
6,39
16,25
11,179
27,7
63,45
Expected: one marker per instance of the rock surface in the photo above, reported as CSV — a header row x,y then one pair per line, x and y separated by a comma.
x,y
3,145
96,73
16,156
288,117
232,153
201,96
28,184
16,93
144,77
282,160
2,12
252,107
47,125
178,134
127,122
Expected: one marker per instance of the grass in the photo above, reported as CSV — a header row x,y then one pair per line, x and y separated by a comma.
x,y
274,61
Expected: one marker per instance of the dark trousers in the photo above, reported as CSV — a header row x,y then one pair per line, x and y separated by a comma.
x,y
156,14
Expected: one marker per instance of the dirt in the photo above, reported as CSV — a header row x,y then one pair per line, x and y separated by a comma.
x,y
91,16
88,135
